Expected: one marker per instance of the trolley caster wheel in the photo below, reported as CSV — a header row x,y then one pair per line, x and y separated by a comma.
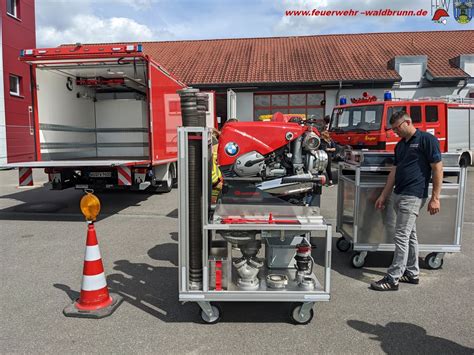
x,y
297,318
343,244
358,260
216,317
433,261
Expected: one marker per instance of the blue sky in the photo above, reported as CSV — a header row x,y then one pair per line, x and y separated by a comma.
x,y
88,21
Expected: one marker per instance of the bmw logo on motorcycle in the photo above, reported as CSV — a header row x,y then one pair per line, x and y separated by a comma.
x,y
231,149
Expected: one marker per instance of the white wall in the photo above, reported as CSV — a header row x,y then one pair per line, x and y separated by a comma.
x,y
59,106
3,133
244,106
121,116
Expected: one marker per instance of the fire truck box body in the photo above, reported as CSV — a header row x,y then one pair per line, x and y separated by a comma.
x,y
366,125
103,117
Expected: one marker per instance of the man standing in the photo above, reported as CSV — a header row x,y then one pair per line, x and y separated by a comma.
x,y
417,155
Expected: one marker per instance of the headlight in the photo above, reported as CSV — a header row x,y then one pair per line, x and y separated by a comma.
x,y
311,141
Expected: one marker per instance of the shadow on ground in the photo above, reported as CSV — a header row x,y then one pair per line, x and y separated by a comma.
x,y
407,338
42,204
154,290
341,262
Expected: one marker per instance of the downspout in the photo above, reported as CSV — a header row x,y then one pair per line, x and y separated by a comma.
x,y
466,80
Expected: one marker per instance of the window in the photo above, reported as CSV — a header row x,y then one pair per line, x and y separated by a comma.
x,y
415,114
15,85
358,118
280,100
13,8
391,111
431,113
310,104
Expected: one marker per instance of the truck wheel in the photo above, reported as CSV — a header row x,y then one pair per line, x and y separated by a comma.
x,y
166,185
465,160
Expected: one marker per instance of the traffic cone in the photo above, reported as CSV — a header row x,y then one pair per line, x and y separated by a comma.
x,y
95,300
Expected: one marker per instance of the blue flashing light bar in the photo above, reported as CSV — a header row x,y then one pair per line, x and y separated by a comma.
x,y
387,96
139,48
342,100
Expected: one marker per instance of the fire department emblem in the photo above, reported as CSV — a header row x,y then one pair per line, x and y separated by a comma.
x,y
231,149
462,11
439,10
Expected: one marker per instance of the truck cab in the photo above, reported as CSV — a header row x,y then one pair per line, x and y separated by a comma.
x,y
367,125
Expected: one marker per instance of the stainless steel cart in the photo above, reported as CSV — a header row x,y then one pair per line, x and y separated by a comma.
x,y
362,177
249,250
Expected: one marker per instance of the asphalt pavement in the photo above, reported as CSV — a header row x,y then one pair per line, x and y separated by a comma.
x,y
42,239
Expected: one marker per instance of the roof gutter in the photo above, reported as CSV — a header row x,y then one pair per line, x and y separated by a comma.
x,y
295,83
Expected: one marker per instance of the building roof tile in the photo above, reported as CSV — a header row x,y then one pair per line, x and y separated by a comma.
x,y
309,59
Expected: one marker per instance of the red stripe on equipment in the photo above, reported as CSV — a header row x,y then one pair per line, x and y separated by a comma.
x,y
91,236
218,275
125,174
92,300
25,176
92,268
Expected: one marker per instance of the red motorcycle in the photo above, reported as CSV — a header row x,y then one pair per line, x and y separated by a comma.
x,y
280,157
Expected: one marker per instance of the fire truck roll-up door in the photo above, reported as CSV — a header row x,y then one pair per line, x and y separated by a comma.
x,y
91,111
460,129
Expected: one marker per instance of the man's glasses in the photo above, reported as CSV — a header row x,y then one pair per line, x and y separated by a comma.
x,y
399,125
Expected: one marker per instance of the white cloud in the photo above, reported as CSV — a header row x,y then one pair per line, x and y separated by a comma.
x,y
90,28
139,5
65,21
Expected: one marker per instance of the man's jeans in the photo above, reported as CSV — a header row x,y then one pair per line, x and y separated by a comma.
x,y
404,212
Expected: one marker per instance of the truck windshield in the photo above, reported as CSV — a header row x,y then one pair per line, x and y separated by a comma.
x,y
357,118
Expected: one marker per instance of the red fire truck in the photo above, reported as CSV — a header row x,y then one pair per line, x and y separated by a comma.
x,y
103,117
365,125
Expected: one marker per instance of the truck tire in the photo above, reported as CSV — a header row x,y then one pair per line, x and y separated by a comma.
x,y
165,185
465,160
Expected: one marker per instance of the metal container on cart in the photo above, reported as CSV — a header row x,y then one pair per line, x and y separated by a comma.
x,y
362,177
276,231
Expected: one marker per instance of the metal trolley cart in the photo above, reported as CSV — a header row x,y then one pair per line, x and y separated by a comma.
x,y
243,249
362,177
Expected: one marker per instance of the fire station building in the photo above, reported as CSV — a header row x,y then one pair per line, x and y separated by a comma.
x,y
308,74
17,31
260,76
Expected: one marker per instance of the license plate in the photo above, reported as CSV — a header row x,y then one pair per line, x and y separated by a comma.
x,y
100,174
82,186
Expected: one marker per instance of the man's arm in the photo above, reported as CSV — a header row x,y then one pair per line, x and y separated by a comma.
x,y
434,205
387,190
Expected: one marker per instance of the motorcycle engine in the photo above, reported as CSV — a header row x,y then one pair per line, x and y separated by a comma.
x,y
299,156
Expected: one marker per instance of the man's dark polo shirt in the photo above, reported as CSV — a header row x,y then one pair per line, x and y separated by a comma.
x,y
413,159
